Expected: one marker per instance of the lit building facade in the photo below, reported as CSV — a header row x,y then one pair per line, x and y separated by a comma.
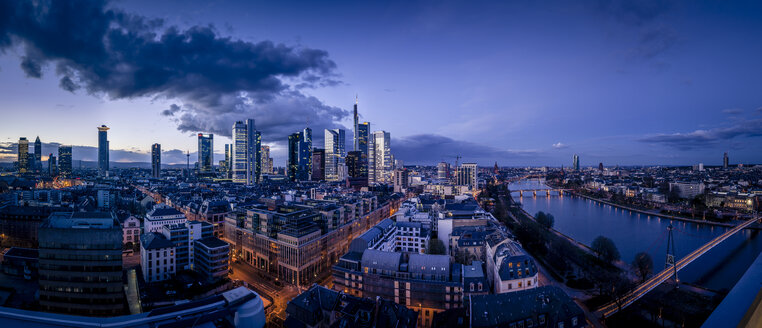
x,y
381,161
335,151
64,160
23,155
156,160
205,153
103,159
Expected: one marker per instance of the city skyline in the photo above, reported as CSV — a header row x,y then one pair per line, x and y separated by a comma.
x,y
516,102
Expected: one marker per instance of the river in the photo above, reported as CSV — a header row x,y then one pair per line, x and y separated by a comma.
x,y
632,232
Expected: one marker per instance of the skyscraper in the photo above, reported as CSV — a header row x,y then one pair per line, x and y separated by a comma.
x,y
725,161
205,153
267,161
238,155
356,136
156,160
103,149
64,160
52,167
299,166
380,168
37,155
246,153
228,162
334,143
253,153
318,164
363,144
23,155
575,163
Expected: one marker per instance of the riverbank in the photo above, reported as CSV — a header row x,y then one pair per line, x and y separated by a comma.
x,y
664,216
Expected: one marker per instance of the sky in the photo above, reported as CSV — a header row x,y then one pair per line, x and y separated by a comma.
x,y
514,82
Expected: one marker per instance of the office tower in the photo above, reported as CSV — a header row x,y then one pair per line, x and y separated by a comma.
x,y
205,153
600,167
299,165
156,160
267,161
80,264
363,144
467,175
356,137
239,157
353,164
23,155
334,142
64,160
725,161
103,149
226,164
37,155
253,153
319,162
380,168
52,167
443,170
575,163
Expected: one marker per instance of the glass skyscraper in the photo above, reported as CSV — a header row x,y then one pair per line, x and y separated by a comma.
x,y
300,155
64,160
103,149
246,153
363,144
156,160
37,154
205,153
381,164
23,160
334,143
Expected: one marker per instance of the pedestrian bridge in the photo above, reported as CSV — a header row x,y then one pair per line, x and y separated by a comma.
x,y
630,297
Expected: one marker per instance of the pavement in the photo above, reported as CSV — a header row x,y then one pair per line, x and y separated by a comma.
x,y
280,295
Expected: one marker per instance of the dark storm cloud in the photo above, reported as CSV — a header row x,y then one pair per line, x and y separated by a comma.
x,y
109,52
702,138
431,148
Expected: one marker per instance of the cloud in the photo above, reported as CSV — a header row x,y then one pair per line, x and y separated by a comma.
x,y
213,79
559,145
171,111
432,148
635,12
702,138
732,111
655,41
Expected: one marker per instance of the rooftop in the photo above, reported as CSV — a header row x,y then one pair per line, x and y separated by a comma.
x,y
80,220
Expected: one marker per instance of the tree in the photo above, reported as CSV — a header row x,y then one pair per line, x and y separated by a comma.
x,y
545,219
605,249
436,246
643,265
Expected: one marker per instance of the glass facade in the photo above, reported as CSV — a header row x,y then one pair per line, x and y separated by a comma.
x,y
103,149
205,153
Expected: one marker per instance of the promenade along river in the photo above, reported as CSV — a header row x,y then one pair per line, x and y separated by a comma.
x,y
632,232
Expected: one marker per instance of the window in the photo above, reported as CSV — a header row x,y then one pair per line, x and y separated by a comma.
x,y
574,321
471,285
480,287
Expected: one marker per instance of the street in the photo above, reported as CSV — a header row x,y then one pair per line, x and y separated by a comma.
x,y
267,289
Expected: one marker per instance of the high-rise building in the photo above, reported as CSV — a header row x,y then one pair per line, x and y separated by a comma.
x,y
725,161
299,166
575,163
381,165
156,160
253,153
334,142
52,167
227,164
319,162
80,264
23,155
64,160
267,161
37,155
103,149
467,175
205,153
356,137
246,153
600,167
443,170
